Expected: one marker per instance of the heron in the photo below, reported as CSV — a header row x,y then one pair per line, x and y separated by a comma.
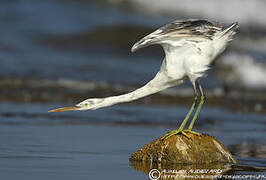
x,y
190,47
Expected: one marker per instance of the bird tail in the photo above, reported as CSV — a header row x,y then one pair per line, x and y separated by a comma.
x,y
224,37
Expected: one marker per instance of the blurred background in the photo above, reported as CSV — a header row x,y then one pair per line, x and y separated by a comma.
x,y
55,53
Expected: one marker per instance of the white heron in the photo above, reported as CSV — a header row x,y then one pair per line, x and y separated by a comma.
x,y
190,47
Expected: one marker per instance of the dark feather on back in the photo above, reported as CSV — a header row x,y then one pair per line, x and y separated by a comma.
x,y
192,27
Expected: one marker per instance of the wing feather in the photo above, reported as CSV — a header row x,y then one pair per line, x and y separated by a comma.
x,y
195,30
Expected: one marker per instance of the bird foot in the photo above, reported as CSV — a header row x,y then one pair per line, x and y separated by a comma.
x,y
177,131
192,132
174,132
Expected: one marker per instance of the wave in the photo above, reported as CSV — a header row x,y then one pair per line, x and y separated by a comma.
x,y
242,71
246,12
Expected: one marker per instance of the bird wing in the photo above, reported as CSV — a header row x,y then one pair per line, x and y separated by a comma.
x,y
194,30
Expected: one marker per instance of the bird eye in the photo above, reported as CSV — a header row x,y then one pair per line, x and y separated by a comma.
x,y
83,104
88,103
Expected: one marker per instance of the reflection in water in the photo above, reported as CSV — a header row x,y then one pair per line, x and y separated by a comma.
x,y
182,171
197,171
246,149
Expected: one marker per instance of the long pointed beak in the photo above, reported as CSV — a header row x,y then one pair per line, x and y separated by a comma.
x,y
73,108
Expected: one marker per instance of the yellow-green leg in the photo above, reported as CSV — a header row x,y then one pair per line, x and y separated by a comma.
x,y
202,100
196,85
181,127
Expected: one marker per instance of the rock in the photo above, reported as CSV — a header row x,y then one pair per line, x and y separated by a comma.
x,y
203,149
180,157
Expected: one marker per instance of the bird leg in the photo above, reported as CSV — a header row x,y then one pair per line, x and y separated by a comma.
x,y
181,127
202,100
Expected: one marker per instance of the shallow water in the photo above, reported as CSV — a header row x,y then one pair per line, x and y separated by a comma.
x,y
49,49
98,144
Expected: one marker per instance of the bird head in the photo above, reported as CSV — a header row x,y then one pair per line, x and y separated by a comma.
x,y
93,103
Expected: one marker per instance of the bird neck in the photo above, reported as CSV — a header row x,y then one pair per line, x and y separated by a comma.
x,y
157,84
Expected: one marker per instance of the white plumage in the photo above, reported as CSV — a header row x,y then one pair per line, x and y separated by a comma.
x,y
190,46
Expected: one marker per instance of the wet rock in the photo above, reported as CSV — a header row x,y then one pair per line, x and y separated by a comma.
x,y
203,149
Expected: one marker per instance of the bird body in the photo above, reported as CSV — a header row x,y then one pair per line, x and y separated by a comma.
x,y
190,46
